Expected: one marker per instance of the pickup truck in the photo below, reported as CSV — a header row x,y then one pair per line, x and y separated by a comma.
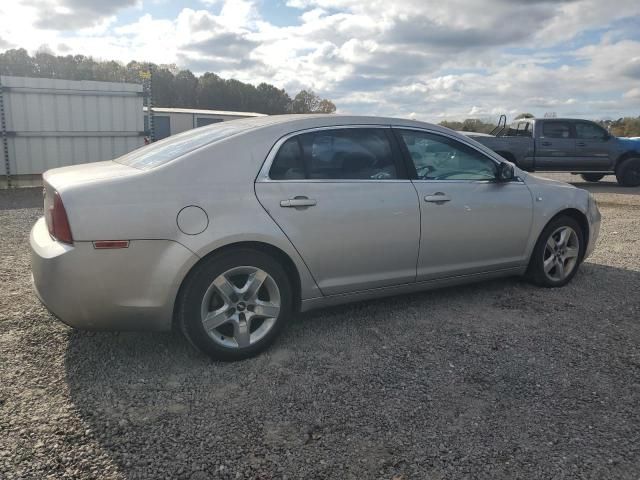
x,y
566,145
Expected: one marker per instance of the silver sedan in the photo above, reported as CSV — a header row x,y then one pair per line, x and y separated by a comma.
x,y
226,231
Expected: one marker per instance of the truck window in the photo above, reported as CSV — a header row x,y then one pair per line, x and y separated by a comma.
x,y
556,129
589,131
519,129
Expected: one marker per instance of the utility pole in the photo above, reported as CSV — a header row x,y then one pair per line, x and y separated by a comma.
x,y
147,82
5,140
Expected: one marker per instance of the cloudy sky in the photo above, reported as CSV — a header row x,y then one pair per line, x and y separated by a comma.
x,y
427,59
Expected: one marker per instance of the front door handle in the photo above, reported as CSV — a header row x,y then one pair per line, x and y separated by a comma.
x,y
298,202
546,144
581,144
438,197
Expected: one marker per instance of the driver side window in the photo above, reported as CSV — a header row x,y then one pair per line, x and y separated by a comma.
x,y
441,158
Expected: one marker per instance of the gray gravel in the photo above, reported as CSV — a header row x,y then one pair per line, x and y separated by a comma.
x,y
495,380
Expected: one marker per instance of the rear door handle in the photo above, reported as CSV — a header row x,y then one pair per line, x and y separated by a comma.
x,y
546,144
581,144
297,202
437,197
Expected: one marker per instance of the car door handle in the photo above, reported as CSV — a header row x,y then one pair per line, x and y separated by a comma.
x,y
297,202
581,144
546,144
437,197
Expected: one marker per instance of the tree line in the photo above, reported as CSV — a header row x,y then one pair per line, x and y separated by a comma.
x,y
171,86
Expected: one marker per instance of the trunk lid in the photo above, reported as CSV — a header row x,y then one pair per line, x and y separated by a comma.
x,y
73,175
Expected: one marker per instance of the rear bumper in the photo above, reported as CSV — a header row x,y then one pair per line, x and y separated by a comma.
x,y
122,289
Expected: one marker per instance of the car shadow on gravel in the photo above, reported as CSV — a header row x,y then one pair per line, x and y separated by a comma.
x,y
498,377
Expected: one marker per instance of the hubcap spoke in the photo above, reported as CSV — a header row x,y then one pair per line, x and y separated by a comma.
x,y
571,252
226,290
241,333
560,268
253,285
551,243
268,310
564,233
214,319
549,263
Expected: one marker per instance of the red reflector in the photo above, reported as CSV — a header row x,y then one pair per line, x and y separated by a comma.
x,y
104,244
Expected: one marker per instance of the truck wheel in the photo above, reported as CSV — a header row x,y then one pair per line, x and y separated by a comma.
x,y
628,172
592,177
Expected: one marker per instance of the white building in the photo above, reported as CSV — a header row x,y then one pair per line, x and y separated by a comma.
x,y
169,121
47,123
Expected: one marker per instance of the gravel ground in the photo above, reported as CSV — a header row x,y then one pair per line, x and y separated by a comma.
x,y
495,380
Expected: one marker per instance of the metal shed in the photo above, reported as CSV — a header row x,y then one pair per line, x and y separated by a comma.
x,y
169,121
48,123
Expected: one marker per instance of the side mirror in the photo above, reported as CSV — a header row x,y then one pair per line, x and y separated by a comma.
x,y
505,172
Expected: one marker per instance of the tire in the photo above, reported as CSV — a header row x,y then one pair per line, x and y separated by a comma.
x,y
592,177
553,253
241,323
628,172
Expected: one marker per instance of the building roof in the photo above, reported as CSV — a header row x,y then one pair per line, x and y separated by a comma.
x,y
205,112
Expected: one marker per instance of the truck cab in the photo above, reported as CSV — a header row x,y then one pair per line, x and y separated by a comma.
x,y
567,145
577,145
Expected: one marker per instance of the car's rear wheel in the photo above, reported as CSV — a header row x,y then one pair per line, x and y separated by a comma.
x,y
628,172
592,177
557,253
234,304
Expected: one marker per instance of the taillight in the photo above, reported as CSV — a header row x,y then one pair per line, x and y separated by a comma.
x,y
57,221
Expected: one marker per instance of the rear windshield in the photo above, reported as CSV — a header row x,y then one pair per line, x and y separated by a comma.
x,y
168,149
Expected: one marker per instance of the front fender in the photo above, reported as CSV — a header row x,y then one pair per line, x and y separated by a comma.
x,y
550,198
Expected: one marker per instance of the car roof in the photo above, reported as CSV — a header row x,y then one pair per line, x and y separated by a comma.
x,y
296,122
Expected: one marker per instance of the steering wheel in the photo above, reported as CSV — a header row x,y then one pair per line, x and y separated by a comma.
x,y
424,171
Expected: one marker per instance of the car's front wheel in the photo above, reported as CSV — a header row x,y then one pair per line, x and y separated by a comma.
x,y
235,303
557,253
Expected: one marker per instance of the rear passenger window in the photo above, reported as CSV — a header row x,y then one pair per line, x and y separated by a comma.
x,y
556,129
519,129
288,164
340,154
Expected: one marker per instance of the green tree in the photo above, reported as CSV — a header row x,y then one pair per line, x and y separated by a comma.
x,y
186,85
623,127
469,125
272,100
308,102
171,87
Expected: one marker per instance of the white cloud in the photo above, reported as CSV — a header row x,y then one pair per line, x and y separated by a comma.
x,y
428,59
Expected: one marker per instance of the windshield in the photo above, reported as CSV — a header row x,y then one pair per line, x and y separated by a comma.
x,y
168,149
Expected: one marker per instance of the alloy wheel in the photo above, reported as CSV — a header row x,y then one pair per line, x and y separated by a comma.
x,y
561,253
240,307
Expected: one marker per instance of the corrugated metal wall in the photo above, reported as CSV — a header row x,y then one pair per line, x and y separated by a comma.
x,y
52,123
